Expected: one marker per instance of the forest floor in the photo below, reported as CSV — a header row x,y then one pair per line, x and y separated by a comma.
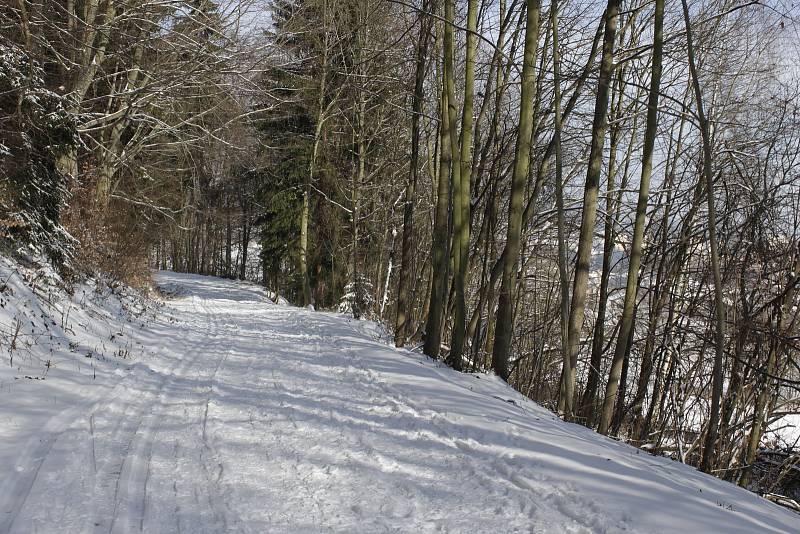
x,y
239,415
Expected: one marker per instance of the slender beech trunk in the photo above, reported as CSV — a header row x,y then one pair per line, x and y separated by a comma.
x,y
355,198
460,171
719,309
619,407
302,263
476,329
589,208
659,296
359,178
759,417
302,255
626,327
587,406
228,240
544,166
422,315
418,99
505,308
245,245
563,276
440,249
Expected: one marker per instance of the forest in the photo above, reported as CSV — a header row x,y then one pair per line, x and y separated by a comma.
x,y
597,202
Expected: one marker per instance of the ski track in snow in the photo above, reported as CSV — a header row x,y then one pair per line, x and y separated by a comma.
x,y
255,418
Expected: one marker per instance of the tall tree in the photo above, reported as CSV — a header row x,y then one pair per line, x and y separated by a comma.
x,y
589,213
462,191
417,101
504,322
719,305
634,263
440,242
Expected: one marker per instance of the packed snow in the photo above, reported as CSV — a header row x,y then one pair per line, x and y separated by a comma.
x,y
234,414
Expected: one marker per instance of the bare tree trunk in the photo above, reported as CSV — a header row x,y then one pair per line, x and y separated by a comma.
x,y
651,129
245,246
759,417
403,297
719,306
440,243
228,242
92,49
505,309
302,260
359,177
587,406
461,192
589,209
563,275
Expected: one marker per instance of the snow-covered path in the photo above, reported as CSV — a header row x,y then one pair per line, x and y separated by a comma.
x,y
259,418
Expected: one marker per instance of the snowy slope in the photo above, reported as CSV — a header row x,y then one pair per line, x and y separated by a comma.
x,y
59,353
251,417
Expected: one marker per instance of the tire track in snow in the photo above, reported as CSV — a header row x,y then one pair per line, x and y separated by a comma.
x,y
135,497
132,470
16,491
215,495
129,508
130,501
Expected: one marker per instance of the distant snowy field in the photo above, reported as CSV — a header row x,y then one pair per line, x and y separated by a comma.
x,y
223,412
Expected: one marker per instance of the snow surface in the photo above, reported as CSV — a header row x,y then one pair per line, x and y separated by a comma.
x,y
245,416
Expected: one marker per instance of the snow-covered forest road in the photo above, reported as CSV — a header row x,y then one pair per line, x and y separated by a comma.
x,y
261,418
